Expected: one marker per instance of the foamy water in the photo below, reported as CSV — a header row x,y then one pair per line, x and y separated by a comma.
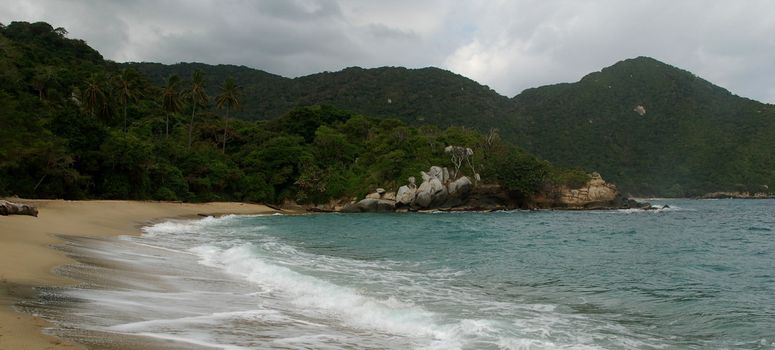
x,y
697,275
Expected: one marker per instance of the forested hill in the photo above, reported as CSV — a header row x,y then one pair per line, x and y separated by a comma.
x,y
653,129
73,126
423,96
693,137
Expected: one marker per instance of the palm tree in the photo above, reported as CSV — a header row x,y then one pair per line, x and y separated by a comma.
x,y
94,97
171,100
198,97
228,98
127,89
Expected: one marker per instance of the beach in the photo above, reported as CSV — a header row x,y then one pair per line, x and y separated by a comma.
x,y
27,258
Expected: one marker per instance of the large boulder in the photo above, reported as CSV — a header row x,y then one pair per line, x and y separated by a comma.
x,y
373,195
405,195
437,172
460,187
595,193
430,193
370,205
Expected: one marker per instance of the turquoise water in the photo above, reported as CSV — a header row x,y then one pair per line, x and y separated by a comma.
x,y
700,275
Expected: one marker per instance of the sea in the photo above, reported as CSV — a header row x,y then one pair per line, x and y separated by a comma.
x,y
697,274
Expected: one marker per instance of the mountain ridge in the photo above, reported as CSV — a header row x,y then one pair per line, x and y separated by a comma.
x,y
650,127
676,148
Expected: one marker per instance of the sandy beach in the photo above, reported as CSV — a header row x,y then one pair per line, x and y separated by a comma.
x,y
27,259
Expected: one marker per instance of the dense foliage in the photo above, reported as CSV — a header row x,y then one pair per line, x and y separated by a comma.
x,y
418,96
76,126
693,138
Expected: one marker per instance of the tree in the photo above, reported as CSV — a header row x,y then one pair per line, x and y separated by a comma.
x,y
228,98
171,100
458,155
43,79
94,97
198,96
127,89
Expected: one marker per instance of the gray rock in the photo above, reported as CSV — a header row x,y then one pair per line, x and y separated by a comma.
x,y
460,187
373,195
370,205
10,208
405,195
389,196
422,200
431,192
445,174
437,172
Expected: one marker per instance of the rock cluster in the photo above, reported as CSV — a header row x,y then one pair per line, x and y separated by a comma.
x,y
437,190
595,194
10,208
596,190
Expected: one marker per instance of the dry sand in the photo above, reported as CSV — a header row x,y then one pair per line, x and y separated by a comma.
x,y
26,259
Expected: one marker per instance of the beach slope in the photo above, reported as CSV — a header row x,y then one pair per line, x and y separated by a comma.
x,y
27,259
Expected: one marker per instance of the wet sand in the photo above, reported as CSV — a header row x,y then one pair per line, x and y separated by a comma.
x,y
27,259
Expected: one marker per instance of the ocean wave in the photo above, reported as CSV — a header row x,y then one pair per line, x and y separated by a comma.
x,y
171,227
345,303
654,209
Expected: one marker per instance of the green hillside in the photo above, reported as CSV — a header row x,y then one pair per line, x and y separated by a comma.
x,y
421,96
694,137
75,126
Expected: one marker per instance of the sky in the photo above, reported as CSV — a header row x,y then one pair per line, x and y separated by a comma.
x,y
507,45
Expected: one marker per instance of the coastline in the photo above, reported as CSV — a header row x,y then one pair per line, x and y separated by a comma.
x,y
27,258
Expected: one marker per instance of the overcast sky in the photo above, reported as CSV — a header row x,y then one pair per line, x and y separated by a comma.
x,y
508,45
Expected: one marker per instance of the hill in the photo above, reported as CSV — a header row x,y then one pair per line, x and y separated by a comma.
x,y
77,126
422,96
693,137
653,129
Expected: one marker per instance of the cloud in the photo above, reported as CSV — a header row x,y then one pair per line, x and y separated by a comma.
x,y
508,45
529,43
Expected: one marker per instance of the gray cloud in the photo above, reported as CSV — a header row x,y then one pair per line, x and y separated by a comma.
x,y
508,45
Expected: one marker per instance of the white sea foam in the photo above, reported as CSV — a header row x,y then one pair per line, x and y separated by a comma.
x,y
193,340
271,316
346,304
190,226
659,208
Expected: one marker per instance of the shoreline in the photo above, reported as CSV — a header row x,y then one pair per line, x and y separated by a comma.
x,y
27,257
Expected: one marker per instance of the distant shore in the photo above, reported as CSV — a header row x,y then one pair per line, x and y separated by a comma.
x,y
27,259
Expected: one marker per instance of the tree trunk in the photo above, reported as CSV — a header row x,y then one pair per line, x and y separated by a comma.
x,y
125,118
191,127
167,126
8,208
225,127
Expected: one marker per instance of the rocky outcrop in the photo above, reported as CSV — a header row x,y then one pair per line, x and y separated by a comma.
x,y
738,195
595,194
437,190
596,190
10,208
371,205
